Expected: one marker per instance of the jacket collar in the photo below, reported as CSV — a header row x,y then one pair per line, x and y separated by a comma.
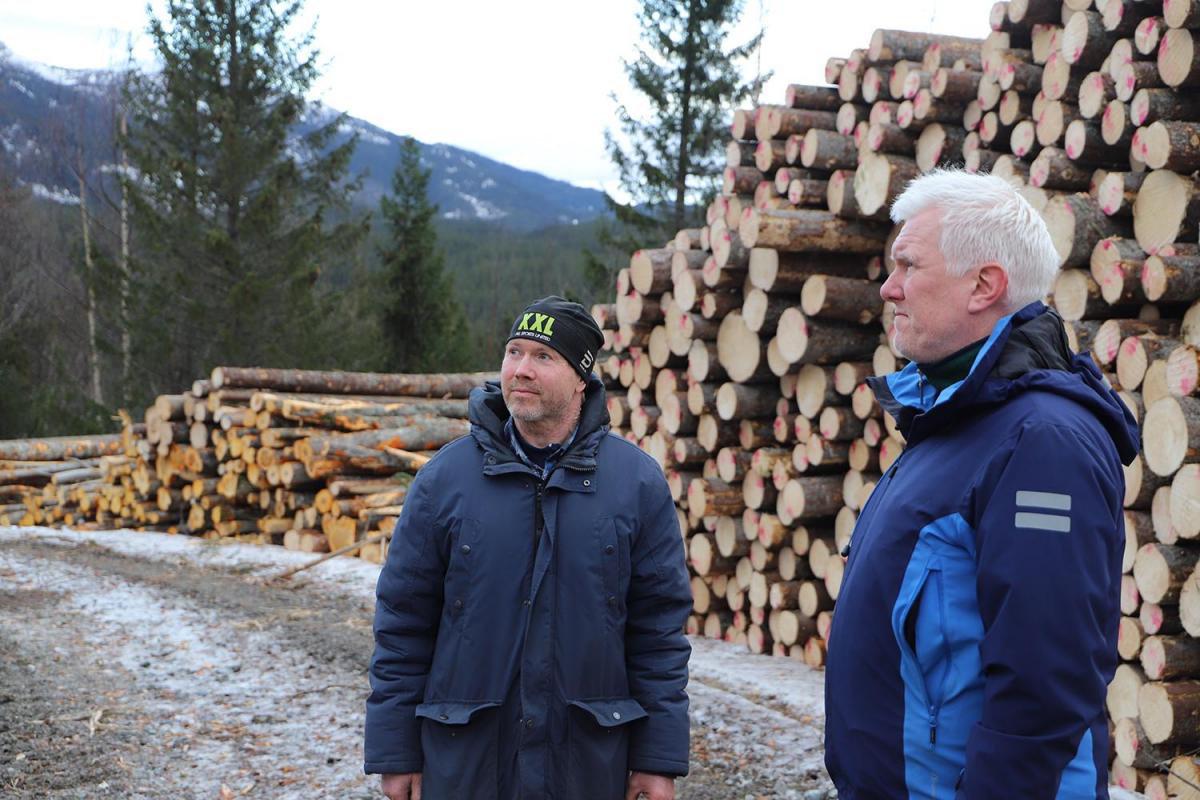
x,y
1025,350
489,414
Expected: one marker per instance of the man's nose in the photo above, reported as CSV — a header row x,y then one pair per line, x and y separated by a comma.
x,y
890,290
524,366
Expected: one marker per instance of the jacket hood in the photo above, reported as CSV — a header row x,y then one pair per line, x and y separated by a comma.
x,y
1026,351
489,414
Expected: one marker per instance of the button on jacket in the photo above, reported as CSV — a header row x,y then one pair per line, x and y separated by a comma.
x,y
976,626
529,632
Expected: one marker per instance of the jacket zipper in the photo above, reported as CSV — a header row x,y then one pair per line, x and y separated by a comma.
x,y
537,514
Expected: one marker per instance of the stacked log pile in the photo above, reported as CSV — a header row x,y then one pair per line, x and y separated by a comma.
x,y
740,348
315,461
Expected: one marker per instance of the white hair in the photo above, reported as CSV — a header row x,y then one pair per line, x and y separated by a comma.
x,y
983,219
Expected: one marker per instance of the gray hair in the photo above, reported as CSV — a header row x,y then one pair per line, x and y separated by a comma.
x,y
985,219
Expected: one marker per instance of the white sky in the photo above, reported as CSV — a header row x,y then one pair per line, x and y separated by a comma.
x,y
525,82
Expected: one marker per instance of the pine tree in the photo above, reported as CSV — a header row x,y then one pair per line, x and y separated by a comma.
x,y
238,197
668,163
423,323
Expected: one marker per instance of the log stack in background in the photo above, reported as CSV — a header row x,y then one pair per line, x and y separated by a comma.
x,y
311,460
739,349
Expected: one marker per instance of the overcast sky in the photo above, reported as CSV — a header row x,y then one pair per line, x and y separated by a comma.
x,y
525,82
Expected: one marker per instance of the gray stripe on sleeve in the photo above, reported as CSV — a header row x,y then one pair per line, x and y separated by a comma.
x,y
1042,522
1054,502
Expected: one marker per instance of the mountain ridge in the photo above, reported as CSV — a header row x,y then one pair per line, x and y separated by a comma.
x,y
50,116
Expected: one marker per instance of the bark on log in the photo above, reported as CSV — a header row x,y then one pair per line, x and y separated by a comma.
x,y
1076,225
60,448
1170,713
1161,571
296,380
1167,658
809,231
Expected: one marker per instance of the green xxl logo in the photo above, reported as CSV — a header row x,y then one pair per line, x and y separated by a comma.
x,y
541,323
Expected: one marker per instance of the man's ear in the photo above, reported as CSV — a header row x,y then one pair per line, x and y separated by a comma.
x,y
990,289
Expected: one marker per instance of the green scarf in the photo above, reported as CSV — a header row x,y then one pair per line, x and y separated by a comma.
x,y
953,368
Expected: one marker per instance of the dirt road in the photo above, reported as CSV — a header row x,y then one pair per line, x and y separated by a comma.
x,y
148,666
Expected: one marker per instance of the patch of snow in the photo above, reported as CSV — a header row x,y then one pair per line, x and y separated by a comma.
x,y
468,162
488,183
455,214
352,577
20,87
482,208
216,687
452,170
56,195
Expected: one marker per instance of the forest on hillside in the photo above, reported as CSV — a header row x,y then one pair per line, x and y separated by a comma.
x,y
219,220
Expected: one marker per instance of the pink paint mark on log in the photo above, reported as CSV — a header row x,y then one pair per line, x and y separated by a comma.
x,y
1130,345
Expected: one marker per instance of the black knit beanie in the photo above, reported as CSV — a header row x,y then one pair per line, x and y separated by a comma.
x,y
565,326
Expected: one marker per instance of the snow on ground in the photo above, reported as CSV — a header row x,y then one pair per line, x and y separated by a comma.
x,y
352,577
204,683
234,701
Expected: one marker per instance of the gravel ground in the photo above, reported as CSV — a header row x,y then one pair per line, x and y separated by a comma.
x,y
147,666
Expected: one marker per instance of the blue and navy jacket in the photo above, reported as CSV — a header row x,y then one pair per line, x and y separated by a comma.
x,y
529,627
976,628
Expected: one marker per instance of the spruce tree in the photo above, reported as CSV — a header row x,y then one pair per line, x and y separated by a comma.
x,y
239,197
669,162
423,323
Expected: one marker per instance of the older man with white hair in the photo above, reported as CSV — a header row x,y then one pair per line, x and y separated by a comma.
x,y
976,626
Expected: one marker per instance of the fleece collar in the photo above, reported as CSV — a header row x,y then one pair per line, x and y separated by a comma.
x,y
489,416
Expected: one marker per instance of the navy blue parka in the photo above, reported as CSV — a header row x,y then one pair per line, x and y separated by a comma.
x,y
529,632
976,626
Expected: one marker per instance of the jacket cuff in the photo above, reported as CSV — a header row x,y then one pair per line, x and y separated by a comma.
x,y
658,766
401,767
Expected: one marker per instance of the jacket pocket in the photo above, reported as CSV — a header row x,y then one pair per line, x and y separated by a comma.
x,y
460,748
614,559
461,581
598,747
929,648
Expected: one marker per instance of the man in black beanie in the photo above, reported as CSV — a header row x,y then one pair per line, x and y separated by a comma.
x,y
529,625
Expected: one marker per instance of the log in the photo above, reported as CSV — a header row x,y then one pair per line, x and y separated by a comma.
x,y
1170,144
1161,570
1077,225
60,448
848,299
1085,41
1167,208
714,497
1170,713
806,498
808,230
1121,699
818,98
820,341
1183,500
1171,434
880,178
1055,169
1171,278
1170,657
1136,354
1133,747
1179,60
780,122
366,383
1181,13
938,145
823,149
